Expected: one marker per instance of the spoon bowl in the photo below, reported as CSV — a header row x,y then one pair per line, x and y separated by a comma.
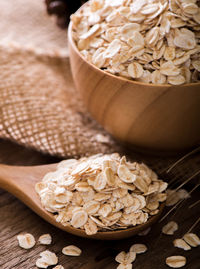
x,y
20,181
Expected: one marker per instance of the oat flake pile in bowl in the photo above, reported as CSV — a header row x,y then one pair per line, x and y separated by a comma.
x,y
102,192
151,41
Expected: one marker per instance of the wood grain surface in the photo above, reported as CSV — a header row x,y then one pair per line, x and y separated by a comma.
x,y
15,218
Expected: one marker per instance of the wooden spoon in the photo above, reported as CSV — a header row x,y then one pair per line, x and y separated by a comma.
x,y
21,180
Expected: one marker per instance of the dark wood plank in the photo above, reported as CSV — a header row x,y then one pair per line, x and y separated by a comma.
x,y
16,217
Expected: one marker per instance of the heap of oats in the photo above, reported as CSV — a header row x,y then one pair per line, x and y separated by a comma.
x,y
101,192
152,41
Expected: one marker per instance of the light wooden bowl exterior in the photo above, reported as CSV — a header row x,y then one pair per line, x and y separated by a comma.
x,y
148,117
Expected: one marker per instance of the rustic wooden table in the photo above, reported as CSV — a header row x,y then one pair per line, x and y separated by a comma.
x,y
15,217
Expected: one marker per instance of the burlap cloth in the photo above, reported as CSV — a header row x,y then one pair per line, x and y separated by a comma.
x,y
39,106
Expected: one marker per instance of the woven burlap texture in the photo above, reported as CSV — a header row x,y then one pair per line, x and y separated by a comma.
x,y
39,106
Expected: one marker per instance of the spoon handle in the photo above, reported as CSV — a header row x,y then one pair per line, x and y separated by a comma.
x,y
22,179
20,182
13,179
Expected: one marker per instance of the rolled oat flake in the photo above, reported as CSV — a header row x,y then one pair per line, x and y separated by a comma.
x,y
170,228
192,239
26,241
176,261
71,251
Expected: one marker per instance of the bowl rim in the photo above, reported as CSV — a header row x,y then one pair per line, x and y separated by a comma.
x,y
163,86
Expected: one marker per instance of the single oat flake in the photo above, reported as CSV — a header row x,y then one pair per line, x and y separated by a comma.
x,y
45,239
125,258
176,261
170,228
180,243
174,196
79,219
26,241
47,258
71,251
138,248
192,239
145,41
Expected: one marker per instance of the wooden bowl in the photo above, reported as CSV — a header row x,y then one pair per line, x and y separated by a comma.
x,y
159,118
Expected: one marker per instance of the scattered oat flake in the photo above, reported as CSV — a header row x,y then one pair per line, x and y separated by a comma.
x,y
41,264
26,241
138,248
192,239
176,261
130,257
172,197
45,239
47,258
183,194
170,228
125,258
71,251
180,243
